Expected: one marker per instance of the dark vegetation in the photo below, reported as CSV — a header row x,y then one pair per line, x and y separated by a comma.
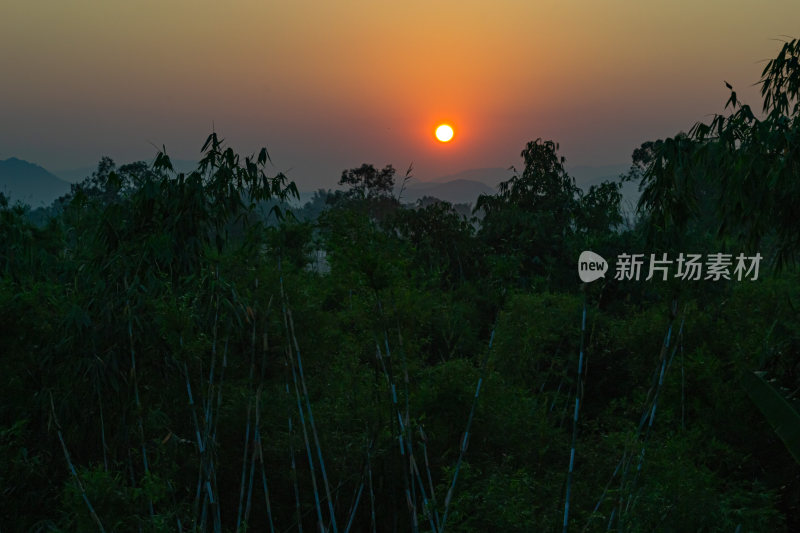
x,y
171,362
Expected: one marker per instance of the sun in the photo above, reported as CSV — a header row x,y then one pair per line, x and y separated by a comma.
x,y
444,133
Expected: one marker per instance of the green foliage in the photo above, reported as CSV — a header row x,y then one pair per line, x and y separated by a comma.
x,y
531,216
168,331
443,242
748,165
368,182
781,415
540,219
318,203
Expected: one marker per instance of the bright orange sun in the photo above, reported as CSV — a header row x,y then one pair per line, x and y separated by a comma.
x,y
444,133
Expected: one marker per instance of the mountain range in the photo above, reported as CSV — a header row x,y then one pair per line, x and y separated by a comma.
x,y
31,184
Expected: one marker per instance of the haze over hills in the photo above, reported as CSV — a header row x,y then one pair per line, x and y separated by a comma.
x,y
76,175
29,183
457,191
34,185
585,175
467,185
588,175
489,176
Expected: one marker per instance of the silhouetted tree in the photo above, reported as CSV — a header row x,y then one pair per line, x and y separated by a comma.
x,y
754,163
368,182
529,220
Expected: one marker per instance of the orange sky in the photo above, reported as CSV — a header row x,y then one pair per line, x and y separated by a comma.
x,y
330,85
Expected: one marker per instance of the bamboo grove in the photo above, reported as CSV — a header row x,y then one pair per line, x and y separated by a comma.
x,y
175,356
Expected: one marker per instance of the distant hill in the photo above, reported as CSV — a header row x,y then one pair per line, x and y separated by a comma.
x,y
463,187
467,185
29,183
489,176
75,175
586,175
34,185
458,191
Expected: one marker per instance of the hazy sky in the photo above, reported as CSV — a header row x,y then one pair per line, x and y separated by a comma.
x,y
330,85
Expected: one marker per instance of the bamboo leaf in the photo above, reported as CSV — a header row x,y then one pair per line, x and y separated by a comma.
x,y
783,418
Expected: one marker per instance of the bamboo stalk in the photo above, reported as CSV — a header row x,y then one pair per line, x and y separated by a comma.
x,y
355,508
611,519
204,512
289,326
200,447
211,439
648,417
247,433
215,421
401,437
73,471
465,439
412,465
312,424
566,406
578,394
264,478
430,478
103,431
371,491
138,402
665,363
257,396
558,390
309,454
208,457
683,385
425,502
407,416
294,466
250,480
603,494
391,420
258,447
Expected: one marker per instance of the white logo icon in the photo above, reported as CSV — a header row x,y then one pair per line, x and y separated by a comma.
x,y
591,266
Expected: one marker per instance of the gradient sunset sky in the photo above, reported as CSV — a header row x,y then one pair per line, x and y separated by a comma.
x,y
330,85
